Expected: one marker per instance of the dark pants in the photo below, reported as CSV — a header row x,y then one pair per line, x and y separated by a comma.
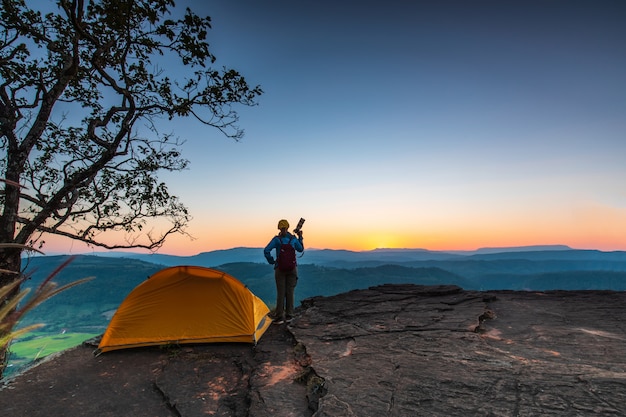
x,y
285,287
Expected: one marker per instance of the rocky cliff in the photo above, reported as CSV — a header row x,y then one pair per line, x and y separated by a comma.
x,y
391,350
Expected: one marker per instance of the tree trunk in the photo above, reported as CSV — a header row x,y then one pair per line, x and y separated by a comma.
x,y
10,257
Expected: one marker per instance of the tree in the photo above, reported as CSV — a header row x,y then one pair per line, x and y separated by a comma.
x,y
83,91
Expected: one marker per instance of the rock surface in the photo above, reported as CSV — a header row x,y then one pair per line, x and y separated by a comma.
x,y
392,350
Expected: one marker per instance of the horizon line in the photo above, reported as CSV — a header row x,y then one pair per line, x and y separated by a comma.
x,y
524,248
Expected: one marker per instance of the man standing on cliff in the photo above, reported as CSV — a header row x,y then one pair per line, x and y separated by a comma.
x,y
285,270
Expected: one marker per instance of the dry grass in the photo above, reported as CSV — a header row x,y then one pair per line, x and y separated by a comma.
x,y
10,309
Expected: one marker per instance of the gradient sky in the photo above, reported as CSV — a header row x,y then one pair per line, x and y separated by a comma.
x,y
444,125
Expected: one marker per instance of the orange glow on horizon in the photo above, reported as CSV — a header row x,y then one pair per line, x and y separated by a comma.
x,y
182,246
596,228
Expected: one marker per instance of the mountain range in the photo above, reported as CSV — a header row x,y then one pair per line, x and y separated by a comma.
x,y
329,272
486,268
351,259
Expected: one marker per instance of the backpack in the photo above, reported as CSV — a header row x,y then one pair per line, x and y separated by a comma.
x,y
286,256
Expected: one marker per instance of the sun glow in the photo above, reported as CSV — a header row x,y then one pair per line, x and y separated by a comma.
x,y
596,228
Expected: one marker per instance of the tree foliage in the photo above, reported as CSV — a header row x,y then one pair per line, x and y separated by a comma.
x,y
84,94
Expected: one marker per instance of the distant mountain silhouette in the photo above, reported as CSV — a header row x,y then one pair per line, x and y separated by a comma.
x,y
353,259
532,248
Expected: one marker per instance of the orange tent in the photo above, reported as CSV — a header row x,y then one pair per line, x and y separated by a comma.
x,y
187,304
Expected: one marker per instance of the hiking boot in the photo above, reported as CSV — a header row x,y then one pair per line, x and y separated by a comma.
x,y
276,319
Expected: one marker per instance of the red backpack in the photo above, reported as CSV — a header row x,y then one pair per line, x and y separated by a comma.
x,y
286,256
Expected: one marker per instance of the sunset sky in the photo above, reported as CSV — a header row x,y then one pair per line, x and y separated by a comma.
x,y
444,125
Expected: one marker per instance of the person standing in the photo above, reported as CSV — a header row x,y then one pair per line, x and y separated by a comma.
x,y
285,270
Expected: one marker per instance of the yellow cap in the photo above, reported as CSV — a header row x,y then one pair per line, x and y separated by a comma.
x,y
283,224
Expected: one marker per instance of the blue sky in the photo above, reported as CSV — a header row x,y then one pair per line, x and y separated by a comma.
x,y
423,124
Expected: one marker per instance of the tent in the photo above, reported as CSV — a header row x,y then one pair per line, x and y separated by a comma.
x,y
186,304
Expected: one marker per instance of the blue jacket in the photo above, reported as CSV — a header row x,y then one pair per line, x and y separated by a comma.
x,y
277,241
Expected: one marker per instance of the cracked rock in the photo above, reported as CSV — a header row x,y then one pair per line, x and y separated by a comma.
x,y
391,350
